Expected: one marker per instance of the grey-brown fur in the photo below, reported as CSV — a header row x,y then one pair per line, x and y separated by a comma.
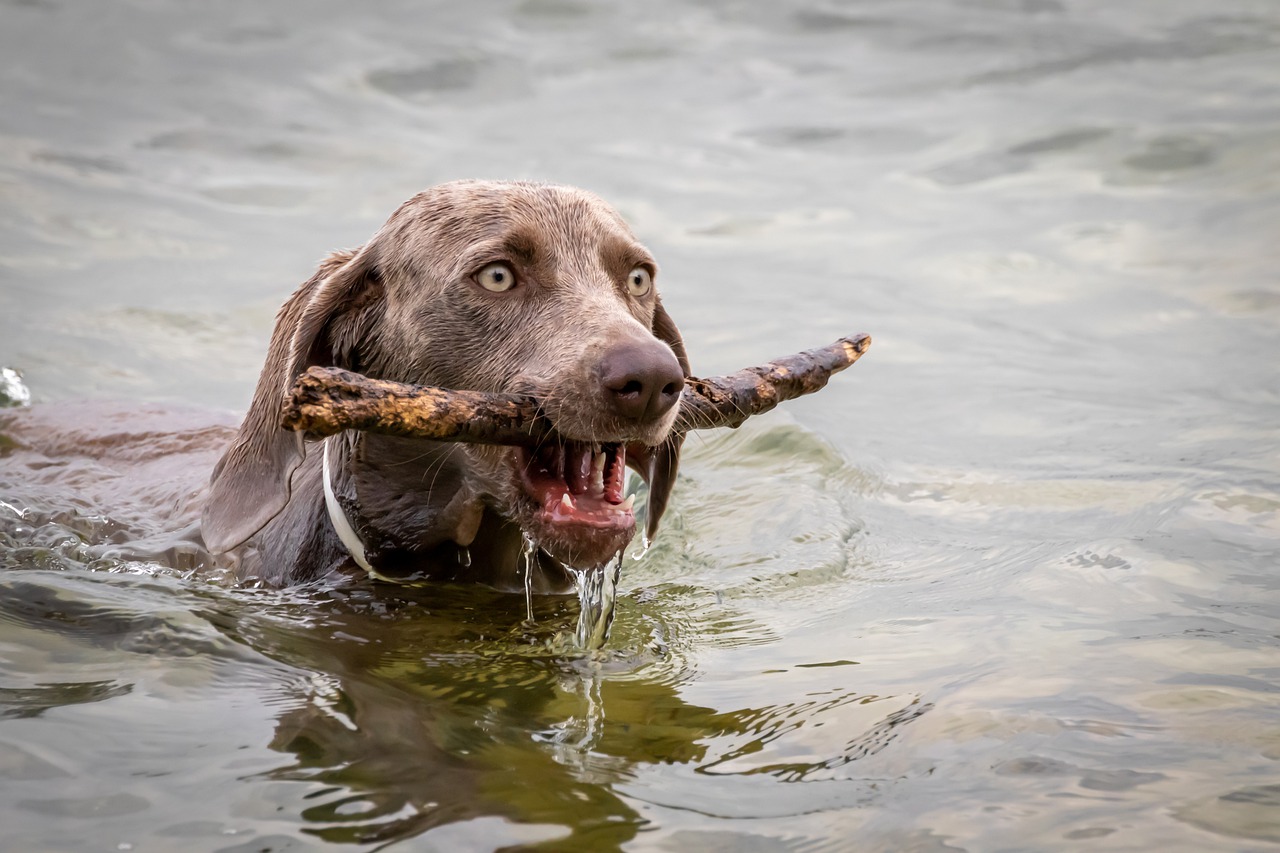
x,y
405,306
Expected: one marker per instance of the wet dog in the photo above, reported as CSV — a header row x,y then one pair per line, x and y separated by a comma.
x,y
504,287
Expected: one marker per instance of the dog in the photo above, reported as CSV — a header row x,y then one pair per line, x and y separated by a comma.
x,y
509,287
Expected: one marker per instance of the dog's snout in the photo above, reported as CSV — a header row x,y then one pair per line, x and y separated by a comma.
x,y
640,381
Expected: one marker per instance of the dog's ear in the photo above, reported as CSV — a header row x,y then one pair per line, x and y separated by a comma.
x,y
666,459
322,323
664,329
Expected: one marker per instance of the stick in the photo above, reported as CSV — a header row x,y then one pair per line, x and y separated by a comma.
x,y
327,400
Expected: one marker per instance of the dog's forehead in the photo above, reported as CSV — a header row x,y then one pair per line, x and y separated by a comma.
x,y
442,223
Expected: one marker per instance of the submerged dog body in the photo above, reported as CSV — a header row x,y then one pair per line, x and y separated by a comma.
x,y
503,287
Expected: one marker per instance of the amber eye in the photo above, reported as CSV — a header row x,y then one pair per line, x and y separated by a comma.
x,y
639,282
496,277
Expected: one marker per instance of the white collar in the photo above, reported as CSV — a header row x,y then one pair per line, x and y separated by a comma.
x,y
342,525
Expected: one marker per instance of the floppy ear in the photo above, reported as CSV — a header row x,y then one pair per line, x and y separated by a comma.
x,y
322,323
666,459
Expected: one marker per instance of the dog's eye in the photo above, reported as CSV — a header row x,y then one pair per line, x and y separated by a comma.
x,y
496,277
639,282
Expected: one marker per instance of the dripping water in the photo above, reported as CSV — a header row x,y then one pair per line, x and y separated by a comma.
x,y
597,595
644,538
530,549
643,523
464,556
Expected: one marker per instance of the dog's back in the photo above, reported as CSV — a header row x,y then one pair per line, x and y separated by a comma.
x,y
125,477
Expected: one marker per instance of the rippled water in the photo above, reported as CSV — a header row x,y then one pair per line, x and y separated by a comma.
x,y
1009,583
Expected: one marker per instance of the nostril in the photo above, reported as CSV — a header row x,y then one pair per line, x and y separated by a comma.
x,y
640,381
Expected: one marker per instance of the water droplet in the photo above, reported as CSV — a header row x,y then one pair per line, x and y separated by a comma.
x,y
644,545
464,556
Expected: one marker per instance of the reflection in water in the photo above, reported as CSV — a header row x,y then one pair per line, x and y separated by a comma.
x,y
33,701
405,711
574,739
436,710
444,707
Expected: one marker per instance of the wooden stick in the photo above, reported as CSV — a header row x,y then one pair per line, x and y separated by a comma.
x,y
727,401
327,400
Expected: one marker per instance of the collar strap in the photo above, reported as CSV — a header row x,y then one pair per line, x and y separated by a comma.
x,y
342,525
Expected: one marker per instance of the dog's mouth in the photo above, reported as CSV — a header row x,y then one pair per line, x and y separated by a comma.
x,y
575,508
579,483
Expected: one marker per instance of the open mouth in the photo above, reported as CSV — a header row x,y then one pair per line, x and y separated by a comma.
x,y
573,505
577,483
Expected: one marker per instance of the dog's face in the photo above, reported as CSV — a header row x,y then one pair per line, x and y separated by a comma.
x,y
500,287
543,291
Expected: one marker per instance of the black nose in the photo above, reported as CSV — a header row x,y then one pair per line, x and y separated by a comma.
x,y
641,380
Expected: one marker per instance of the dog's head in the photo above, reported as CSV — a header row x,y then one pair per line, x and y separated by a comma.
x,y
504,287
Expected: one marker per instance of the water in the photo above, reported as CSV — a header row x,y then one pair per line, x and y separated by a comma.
x,y
597,599
527,557
1008,583
12,390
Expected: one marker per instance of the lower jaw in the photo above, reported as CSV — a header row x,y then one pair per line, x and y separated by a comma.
x,y
580,546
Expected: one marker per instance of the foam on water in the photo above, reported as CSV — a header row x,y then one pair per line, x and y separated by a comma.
x,y
13,392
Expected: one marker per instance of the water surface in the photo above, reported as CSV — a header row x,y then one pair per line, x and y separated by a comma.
x,y
1010,583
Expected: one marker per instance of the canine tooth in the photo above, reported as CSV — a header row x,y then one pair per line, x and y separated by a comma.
x,y
566,501
628,503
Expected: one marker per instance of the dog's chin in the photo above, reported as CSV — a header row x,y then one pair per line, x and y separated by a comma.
x,y
570,501
580,545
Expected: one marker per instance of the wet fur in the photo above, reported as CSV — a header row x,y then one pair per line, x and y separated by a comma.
x,y
404,306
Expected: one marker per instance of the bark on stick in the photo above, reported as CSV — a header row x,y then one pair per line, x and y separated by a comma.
x,y
327,400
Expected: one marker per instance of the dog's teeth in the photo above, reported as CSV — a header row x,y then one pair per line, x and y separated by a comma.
x,y
628,503
597,473
566,501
